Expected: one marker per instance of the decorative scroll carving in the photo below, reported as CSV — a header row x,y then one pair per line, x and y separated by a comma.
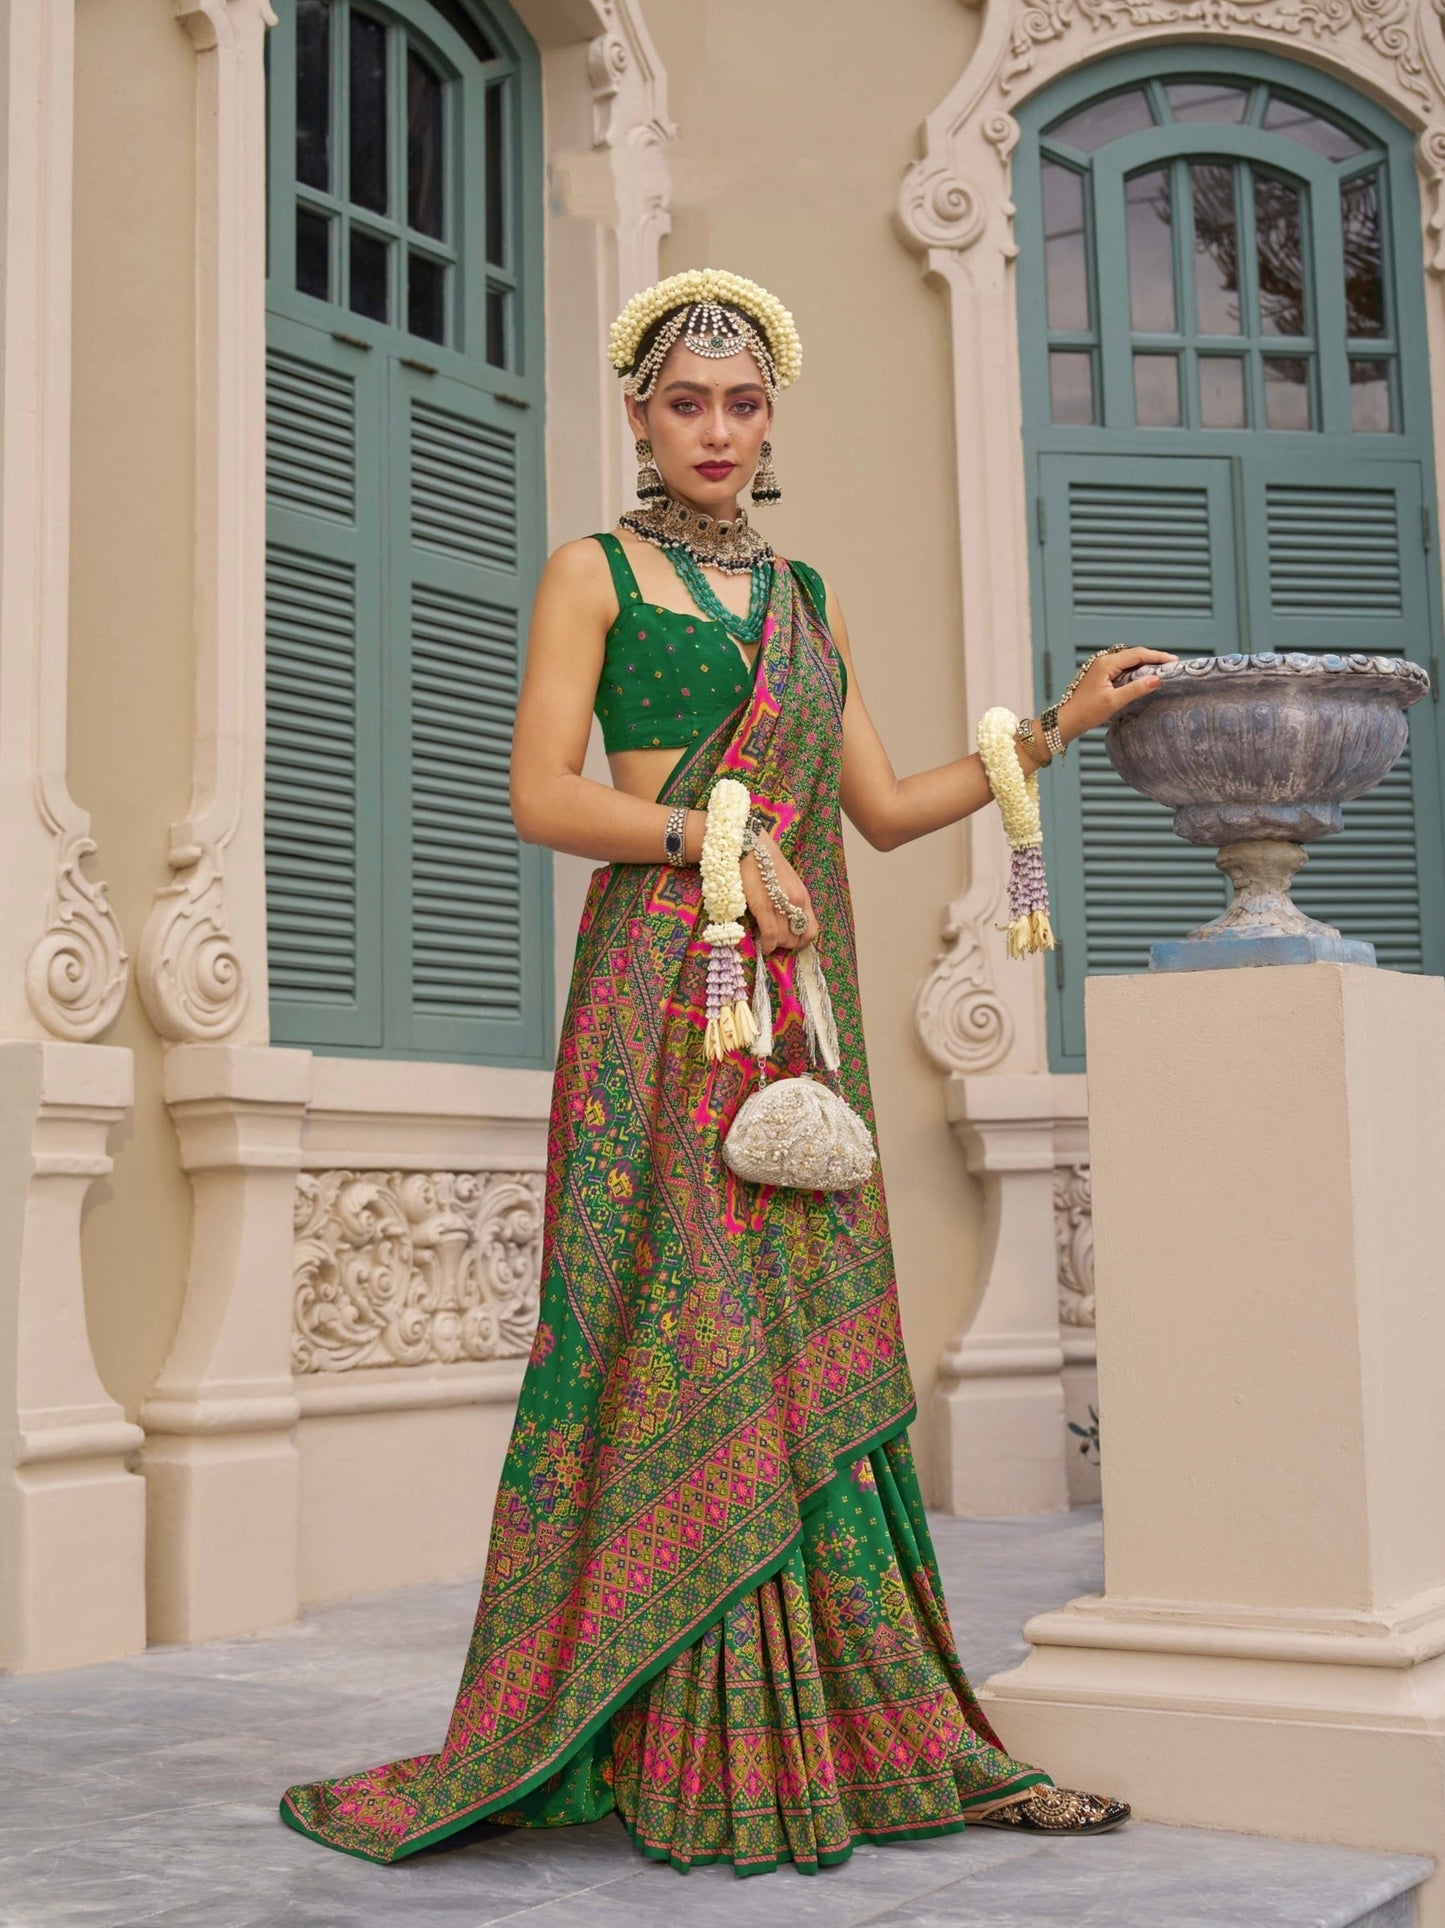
x,y
405,1268
1386,25
939,210
75,975
1430,154
191,978
964,1024
1074,1238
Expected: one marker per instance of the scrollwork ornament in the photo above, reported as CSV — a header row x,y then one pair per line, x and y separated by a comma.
x,y
76,973
1430,152
192,981
412,1268
963,1022
941,210
1074,1240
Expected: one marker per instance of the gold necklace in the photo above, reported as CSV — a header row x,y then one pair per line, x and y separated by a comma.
x,y
734,547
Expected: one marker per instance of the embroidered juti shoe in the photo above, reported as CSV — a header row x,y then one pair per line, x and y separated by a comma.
x,y
1057,1810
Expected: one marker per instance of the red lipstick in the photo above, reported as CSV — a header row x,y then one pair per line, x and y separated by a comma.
x,y
715,471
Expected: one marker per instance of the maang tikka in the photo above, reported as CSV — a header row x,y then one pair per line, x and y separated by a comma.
x,y
650,485
765,487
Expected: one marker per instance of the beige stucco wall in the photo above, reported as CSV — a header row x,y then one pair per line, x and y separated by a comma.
x,y
795,124
793,134
130,684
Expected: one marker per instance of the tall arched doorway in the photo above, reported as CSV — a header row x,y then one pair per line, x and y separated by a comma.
x,y
1227,430
405,528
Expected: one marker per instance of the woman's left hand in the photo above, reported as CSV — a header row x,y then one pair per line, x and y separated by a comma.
x,y
1097,699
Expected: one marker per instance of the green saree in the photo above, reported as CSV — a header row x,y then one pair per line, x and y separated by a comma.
x,y
710,1599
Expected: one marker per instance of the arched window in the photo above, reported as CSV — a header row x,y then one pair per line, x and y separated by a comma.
x,y
405,529
1227,419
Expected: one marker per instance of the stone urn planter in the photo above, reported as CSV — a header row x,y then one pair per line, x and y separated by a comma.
x,y
1256,755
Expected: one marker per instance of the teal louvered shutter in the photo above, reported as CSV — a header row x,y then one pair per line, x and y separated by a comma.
x,y
323,600
1136,550
467,946
1338,562
1227,426
406,528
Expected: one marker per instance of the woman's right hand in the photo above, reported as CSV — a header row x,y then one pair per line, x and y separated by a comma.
x,y
773,931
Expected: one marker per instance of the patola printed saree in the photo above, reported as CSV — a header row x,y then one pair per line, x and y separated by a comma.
x,y
710,1598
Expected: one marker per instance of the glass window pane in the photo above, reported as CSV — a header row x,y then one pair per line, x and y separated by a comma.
x,y
1148,217
1310,129
1371,409
313,93
1287,392
1103,121
1364,255
1279,255
497,176
1156,391
369,275
1066,263
426,297
1216,247
498,327
423,146
1221,391
1071,387
313,254
1206,100
368,113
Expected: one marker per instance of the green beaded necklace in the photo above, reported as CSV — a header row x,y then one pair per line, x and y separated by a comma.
x,y
743,629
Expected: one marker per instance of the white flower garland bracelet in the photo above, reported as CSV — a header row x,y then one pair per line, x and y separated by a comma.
x,y
1017,797
732,1023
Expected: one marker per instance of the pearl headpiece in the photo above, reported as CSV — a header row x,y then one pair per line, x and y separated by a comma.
x,y
715,314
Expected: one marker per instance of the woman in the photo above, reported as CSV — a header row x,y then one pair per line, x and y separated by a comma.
x,y
711,1600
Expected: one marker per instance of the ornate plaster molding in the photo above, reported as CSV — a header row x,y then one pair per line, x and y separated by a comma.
x,y
408,1268
70,979
975,1011
201,949
76,973
1074,1235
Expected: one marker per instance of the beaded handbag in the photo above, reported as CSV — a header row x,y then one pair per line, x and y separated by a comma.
x,y
797,1131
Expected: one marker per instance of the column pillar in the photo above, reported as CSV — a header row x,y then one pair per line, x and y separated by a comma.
x,y
1269,1654
71,1510
1000,1396
220,1461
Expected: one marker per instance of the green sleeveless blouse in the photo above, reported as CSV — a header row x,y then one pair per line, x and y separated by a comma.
x,y
670,676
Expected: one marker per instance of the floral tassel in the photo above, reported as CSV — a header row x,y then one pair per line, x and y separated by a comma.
x,y
730,1022
1017,797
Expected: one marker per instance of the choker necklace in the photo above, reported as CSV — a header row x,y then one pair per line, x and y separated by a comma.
x,y
734,547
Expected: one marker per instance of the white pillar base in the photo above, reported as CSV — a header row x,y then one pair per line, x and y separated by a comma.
x,y
72,1513
999,1407
220,1457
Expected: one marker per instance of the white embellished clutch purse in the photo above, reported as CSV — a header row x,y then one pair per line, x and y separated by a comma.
x,y
797,1132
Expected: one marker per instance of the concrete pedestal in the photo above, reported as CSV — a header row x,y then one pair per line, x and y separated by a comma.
x,y
1269,1652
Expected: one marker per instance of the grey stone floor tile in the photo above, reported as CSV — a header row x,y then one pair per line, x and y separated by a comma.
x,y
142,1794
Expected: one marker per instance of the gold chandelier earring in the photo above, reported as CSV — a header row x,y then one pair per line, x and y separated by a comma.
x,y
765,481
650,485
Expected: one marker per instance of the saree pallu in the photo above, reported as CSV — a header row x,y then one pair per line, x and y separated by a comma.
x,y
710,1597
